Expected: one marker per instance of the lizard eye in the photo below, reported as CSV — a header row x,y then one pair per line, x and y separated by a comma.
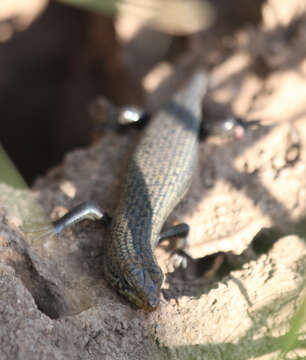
x,y
139,277
157,276
135,279
128,282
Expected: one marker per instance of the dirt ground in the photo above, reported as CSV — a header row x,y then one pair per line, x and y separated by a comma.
x,y
252,188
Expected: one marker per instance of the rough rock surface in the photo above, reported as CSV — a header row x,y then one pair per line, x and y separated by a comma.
x,y
246,313
55,303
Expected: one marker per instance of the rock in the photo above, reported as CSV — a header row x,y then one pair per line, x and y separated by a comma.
x,y
56,304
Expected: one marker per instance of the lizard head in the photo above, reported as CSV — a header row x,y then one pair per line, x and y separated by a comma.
x,y
141,285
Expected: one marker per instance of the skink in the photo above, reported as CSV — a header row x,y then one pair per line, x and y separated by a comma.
x,y
158,177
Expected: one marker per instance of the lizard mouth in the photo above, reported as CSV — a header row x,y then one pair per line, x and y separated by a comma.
x,y
147,305
149,308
